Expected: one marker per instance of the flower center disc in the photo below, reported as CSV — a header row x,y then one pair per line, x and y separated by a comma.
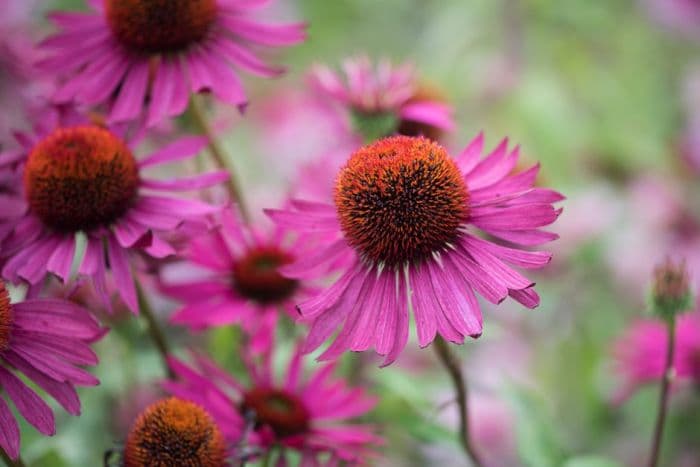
x,y
80,178
255,275
284,413
400,199
160,26
174,432
5,316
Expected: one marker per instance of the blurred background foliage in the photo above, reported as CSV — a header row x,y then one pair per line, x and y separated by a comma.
x,y
592,90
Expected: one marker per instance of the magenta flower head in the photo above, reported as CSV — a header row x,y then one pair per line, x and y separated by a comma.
x,y
84,178
241,283
129,53
383,100
404,224
308,415
640,353
46,341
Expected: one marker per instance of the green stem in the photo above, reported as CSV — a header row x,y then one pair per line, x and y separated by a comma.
x,y
154,330
217,153
451,363
663,395
9,462
267,458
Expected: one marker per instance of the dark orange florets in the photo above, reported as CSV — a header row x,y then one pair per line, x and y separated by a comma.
x,y
160,26
255,275
5,316
283,412
80,178
174,432
400,199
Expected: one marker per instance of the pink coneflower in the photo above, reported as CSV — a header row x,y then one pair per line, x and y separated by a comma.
x,y
308,415
383,100
640,353
403,223
46,341
85,179
132,53
241,284
682,16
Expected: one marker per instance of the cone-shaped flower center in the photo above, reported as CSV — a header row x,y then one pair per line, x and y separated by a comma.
x,y
283,412
174,432
160,26
5,316
80,178
400,199
255,275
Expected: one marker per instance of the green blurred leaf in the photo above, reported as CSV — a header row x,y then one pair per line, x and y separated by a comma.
x,y
538,443
591,461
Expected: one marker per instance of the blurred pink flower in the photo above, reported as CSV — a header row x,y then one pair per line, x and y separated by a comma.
x,y
657,220
381,100
690,142
21,85
491,430
46,341
82,177
104,57
309,415
682,16
401,228
129,405
640,353
240,282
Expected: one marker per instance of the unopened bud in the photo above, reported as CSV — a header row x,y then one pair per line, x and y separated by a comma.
x,y
671,290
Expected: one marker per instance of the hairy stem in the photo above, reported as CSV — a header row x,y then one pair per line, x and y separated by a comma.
x,y
218,154
154,330
663,395
451,363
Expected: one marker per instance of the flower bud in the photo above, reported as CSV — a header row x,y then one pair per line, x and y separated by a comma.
x,y
671,290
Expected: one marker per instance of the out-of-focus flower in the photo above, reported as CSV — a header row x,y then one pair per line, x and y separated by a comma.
x,y
656,219
12,206
84,178
21,86
690,140
174,432
128,54
681,16
402,230
383,100
308,415
130,404
46,341
241,284
491,428
640,353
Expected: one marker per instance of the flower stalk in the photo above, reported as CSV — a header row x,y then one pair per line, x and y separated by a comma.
x,y
154,329
451,363
663,395
218,154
